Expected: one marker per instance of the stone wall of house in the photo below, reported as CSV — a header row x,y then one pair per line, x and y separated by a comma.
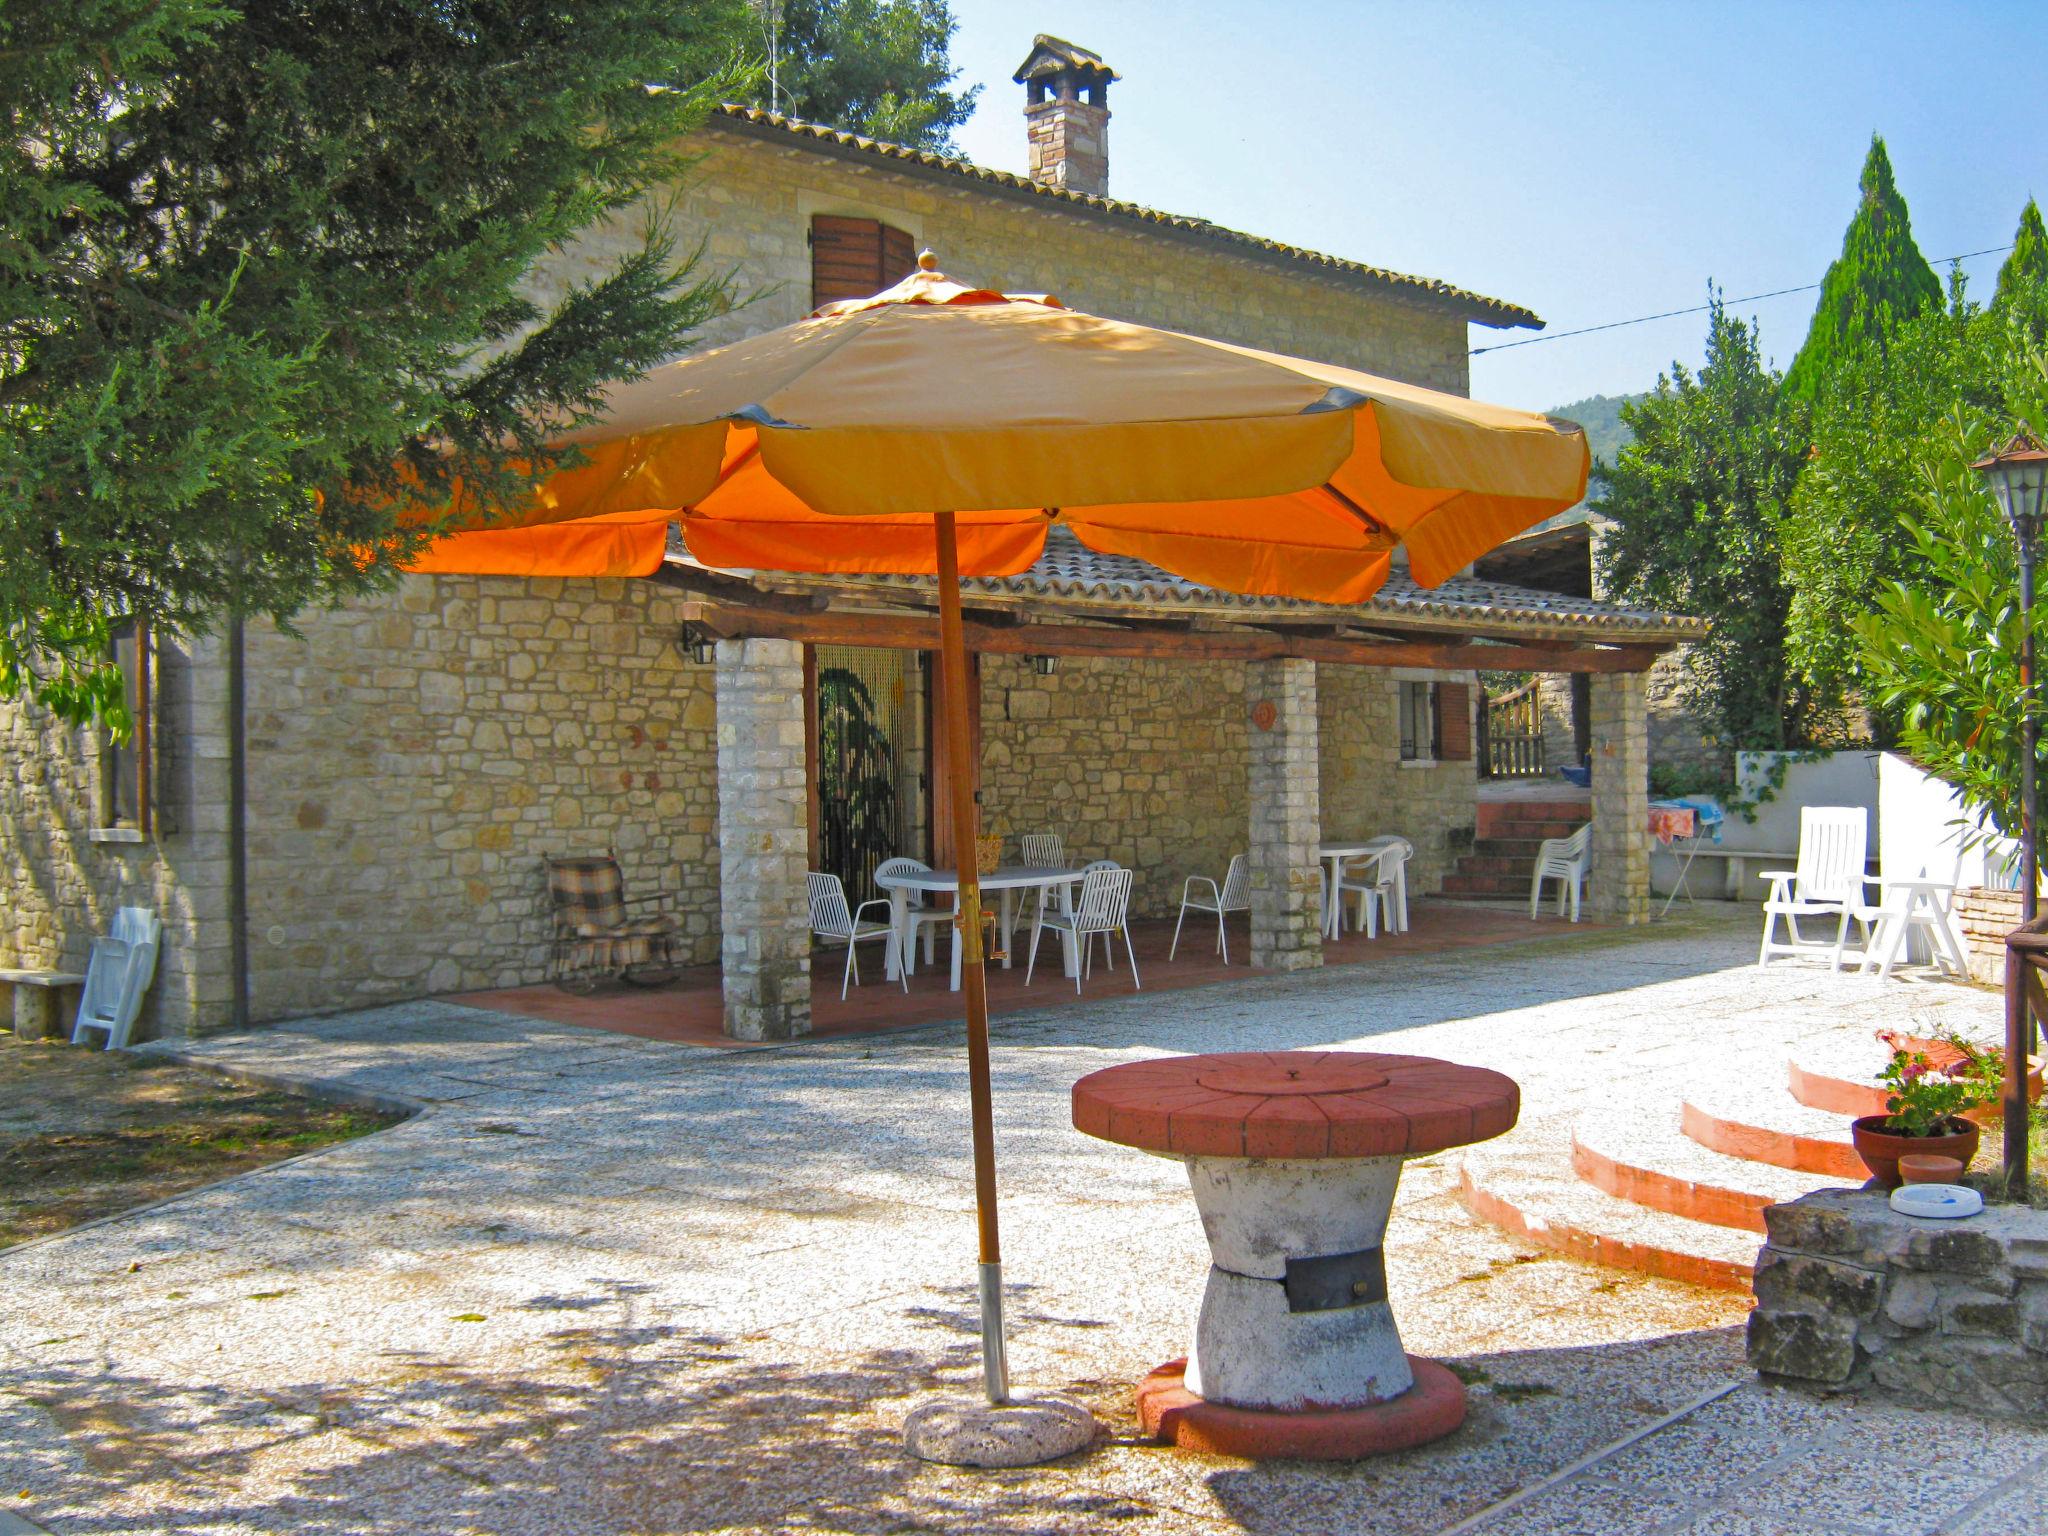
x,y
1145,762
1138,761
1676,738
1368,791
63,873
751,203
412,759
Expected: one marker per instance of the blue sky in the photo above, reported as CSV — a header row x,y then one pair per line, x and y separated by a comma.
x,y
1593,161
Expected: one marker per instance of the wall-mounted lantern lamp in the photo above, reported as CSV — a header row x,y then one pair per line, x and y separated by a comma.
x,y
697,644
1044,666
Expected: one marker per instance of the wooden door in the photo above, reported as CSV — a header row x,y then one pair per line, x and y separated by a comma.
x,y
939,784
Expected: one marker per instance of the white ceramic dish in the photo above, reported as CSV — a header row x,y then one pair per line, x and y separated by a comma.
x,y
1940,1202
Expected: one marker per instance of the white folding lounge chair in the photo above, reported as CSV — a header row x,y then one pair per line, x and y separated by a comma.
x,y
1833,844
122,966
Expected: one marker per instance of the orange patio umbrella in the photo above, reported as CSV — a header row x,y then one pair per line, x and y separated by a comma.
x,y
941,429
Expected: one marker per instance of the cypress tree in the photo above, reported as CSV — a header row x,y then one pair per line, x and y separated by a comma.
x,y
1879,281
2023,279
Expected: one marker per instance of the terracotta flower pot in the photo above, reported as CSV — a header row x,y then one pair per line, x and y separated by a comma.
x,y
1923,1168
1881,1149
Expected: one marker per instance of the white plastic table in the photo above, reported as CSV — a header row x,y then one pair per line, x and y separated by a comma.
x,y
1922,909
1006,882
1334,855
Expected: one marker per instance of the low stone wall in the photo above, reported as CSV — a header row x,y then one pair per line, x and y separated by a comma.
x,y
1851,1295
1986,916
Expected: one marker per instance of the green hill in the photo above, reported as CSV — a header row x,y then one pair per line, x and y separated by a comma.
x,y
1600,415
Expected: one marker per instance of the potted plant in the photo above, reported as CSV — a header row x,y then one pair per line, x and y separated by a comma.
x,y
1924,1111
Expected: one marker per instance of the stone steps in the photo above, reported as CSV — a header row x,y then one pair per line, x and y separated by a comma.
x,y
1639,1153
1541,1200
1763,1123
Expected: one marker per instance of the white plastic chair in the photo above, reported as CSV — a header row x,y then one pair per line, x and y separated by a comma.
x,y
832,922
918,913
121,968
1104,908
1833,846
1371,877
1234,895
1565,860
1400,873
1043,850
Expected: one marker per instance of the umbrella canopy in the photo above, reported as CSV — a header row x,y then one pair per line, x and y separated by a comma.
x,y
942,429
829,445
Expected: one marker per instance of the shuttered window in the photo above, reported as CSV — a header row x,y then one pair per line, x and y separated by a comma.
x,y
1453,722
854,258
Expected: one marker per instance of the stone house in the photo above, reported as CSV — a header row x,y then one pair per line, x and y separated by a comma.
x,y
358,813
1563,557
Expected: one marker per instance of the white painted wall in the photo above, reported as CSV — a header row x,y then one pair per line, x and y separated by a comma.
x,y
1836,779
1922,826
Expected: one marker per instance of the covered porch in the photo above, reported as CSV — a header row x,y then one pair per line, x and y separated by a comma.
x,y
1301,721
691,1009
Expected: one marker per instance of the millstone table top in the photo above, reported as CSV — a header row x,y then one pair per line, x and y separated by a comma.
x,y
1295,1104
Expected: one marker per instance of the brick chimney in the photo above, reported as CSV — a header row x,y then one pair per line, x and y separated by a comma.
x,y
1066,115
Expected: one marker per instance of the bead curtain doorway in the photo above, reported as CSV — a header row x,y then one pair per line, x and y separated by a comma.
x,y
865,761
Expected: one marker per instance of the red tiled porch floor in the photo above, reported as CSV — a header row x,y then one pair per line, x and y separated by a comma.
x,y
689,1010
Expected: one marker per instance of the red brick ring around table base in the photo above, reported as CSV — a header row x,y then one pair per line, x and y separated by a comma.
x,y
1427,1411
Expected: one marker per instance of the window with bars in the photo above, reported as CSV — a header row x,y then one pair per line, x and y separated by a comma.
x,y
1418,722
125,760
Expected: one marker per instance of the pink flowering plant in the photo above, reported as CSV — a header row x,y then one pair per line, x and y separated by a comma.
x,y
1921,1101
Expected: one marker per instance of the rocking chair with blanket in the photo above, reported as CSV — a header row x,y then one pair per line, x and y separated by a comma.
x,y
595,939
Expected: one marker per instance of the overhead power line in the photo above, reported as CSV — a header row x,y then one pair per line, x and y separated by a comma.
x,y
1700,309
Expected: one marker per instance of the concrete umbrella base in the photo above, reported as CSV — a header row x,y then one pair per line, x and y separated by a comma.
x,y
1427,1411
965,1432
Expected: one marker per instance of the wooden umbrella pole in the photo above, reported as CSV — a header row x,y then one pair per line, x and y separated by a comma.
x,y
995,1370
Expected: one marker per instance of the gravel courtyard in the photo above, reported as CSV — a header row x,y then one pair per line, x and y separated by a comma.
x,y
606,1285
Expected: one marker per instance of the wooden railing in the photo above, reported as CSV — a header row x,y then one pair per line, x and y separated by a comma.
x,y
2026,1000
1514,735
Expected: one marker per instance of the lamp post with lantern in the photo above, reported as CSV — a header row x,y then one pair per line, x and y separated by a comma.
x,y
2017,475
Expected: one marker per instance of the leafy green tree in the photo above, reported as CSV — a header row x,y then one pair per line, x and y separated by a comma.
x,y
1695,500
1878,282
1877,416
264,287
878,67
1942,647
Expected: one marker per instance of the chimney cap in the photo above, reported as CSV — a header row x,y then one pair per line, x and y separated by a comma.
x,y
1056,56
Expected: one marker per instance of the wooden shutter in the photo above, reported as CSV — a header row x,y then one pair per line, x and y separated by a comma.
x,y
940,783
856,258
1453,722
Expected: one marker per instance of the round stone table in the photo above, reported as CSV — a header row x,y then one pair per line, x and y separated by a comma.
x,y
1293,1156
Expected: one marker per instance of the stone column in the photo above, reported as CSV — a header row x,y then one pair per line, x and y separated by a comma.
x,y
1286,815
763,839
1619,891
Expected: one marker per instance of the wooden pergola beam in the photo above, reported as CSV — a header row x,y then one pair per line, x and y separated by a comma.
x,y
911,631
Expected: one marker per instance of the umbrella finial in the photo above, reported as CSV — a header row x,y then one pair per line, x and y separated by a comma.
x,y
927,261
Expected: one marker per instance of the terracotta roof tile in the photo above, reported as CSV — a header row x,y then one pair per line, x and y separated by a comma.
x,y
1475,306
1069,570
